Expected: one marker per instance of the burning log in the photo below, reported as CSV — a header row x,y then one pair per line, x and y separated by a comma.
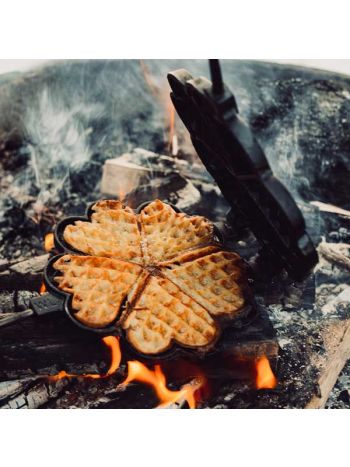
x,y
113,344
156,379
45,346
30,394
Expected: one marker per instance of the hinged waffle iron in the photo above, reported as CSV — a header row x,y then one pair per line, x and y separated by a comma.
x,y
234,158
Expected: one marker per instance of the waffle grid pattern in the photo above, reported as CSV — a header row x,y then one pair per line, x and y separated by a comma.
x,y
99,286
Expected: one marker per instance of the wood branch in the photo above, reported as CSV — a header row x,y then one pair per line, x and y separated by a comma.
x,y
331,208
337,339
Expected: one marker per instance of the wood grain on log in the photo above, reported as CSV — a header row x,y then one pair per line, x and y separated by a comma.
x,y
337,340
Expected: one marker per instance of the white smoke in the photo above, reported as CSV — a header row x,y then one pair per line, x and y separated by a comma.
x,y
58,137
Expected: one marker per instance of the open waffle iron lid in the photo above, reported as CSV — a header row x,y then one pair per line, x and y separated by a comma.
x,y
234,158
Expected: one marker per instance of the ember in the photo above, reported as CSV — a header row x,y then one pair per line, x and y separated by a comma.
x,y
49,242
157,380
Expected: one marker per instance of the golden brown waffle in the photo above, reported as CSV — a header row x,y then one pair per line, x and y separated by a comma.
x,y
162,314
167,233
99,286
210,277
113,232
183,279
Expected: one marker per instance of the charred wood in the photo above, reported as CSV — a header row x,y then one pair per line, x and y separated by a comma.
x,y
23,275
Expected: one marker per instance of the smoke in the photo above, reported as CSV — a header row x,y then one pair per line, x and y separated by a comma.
x,y
285,156
58,140
75,111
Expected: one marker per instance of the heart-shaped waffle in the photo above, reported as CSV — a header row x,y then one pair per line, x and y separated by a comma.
x,y
99,286
112,232
167,233
159,275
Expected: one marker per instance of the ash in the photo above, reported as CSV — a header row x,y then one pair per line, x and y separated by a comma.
x,y
59,125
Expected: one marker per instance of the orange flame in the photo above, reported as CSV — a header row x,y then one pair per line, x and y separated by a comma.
x,y
49,242
156,379
265,379
113,344
42,289
162,95
148,79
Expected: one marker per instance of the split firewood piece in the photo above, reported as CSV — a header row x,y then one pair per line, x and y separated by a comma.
x,y
338,253
336,337
331,208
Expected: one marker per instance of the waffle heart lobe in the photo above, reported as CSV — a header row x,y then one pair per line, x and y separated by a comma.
x,y
113,232
98,285
210,276
163,314
168,233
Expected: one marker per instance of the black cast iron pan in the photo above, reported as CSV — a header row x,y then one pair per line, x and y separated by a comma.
x,y
57,300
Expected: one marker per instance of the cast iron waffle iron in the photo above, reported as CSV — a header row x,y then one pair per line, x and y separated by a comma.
x,y
57,300
234,158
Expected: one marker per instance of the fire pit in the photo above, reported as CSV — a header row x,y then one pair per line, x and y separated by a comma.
x,y
52,167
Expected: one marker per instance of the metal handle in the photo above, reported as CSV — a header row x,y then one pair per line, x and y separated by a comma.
x,y
8,318
216,76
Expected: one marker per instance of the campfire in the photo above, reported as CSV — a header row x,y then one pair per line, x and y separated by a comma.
x,y
190,393
134,147
221,268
